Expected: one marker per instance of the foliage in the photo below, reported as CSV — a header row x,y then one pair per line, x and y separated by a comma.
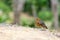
x,y
27,21
3,18
38,4
4,7
45,15
7,2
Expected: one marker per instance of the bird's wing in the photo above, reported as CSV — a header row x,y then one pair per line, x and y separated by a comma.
x,y
41,22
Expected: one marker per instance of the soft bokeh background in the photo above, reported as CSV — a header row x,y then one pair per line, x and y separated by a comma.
x,y
43,11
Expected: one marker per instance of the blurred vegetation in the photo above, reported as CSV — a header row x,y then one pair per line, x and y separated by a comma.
x,y
45,15
26,21
43,9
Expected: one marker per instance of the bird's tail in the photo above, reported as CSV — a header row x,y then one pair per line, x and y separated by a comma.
x,y
44,26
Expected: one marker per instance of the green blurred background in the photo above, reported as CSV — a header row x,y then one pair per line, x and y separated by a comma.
x,y
43,9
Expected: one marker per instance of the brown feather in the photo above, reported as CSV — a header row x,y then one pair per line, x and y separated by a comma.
x,y
39,23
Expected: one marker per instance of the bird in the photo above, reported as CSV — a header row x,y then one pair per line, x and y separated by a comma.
x,y
39,23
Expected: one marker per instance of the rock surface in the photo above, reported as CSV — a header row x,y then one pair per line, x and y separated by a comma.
x,y
24,33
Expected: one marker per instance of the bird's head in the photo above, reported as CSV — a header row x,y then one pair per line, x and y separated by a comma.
x,y
37,19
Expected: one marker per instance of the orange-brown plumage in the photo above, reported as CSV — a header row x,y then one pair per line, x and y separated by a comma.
x,y
39,23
